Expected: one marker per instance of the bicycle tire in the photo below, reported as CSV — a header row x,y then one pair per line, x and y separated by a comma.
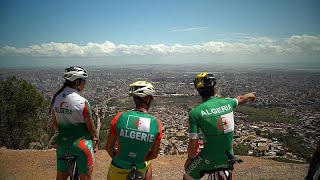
x,y
72,166
75,172
219,175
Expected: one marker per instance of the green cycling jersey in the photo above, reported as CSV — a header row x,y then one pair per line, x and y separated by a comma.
x,y
215,119
136,132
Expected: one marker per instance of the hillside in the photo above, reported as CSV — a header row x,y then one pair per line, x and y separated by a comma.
x,y
40,164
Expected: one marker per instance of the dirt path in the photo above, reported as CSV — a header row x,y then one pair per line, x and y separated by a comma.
x,y
34,165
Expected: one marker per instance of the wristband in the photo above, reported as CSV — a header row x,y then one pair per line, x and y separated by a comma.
x,y
94,138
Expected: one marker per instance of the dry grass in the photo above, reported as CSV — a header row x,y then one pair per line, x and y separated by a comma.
x,y
40,164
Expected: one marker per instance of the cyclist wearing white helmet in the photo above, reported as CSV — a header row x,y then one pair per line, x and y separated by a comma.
x,y
72,120
137,134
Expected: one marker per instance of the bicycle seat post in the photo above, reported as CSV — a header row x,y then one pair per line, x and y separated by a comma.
x,y
133,167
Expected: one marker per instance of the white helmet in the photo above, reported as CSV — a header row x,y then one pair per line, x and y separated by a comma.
x,y
141,89
74,72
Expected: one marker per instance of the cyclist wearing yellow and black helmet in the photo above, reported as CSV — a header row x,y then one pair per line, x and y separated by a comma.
x,y
214,117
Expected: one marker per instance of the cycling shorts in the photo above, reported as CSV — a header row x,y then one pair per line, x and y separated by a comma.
x,y
83,150
117,173
199,166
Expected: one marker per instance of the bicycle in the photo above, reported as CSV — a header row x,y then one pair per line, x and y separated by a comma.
x,y
71,164
224,173
315,175
134,174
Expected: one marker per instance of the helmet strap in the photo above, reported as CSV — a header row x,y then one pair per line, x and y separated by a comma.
x,y
148,105
78,85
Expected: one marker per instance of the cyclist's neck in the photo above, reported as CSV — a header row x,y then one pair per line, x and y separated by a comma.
x,y
204,99
141,109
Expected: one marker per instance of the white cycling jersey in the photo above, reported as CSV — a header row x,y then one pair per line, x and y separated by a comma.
x,y
70,109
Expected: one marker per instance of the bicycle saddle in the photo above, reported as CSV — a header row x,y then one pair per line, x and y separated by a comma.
x,y
233,159
134,174
67,156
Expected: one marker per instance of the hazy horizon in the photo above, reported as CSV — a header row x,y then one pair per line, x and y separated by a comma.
x,y
39,63
268,33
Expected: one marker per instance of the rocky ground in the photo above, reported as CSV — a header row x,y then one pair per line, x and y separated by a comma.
x,y
40,164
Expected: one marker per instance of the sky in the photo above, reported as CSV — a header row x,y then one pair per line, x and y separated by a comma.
x,y
102,32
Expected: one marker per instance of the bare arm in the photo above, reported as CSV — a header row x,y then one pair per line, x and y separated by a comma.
x,y
244,98
153,153
92,132
192,151
110,145
192,148
54,121
112,137
90,125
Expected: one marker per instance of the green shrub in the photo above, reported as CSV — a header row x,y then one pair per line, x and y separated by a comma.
x,y
24,115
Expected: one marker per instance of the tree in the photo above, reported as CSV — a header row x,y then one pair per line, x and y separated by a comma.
x,y
23,114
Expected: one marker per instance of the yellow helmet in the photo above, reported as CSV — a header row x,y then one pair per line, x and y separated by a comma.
x,y
204,80
141,89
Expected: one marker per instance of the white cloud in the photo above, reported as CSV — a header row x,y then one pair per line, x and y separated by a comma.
x,y
303,44
294,45
261,40
236,36
188,29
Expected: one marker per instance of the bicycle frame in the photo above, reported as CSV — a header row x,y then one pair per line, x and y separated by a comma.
x,y
220,175
225,173
71,164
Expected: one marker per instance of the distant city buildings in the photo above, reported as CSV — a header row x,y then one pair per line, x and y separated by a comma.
x,y
297,93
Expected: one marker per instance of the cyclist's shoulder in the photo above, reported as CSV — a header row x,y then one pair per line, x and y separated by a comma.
x,y
217,102
138,114
204,105
198,108
218,99
73,95
212,103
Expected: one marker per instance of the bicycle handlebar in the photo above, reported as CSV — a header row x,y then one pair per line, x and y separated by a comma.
x,y
232,159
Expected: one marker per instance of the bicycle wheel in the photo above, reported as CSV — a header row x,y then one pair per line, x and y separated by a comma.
x,y
219,175
73,170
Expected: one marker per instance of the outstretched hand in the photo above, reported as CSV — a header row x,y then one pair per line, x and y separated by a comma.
x,y
247,97
252,96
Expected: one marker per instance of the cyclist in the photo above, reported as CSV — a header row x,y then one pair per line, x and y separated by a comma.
x,y
71,117
314,164
137,134
214,116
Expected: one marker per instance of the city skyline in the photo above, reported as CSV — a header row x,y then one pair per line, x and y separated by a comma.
x,y
58,33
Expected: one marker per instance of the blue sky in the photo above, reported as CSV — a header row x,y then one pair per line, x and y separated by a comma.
x,y
166,30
